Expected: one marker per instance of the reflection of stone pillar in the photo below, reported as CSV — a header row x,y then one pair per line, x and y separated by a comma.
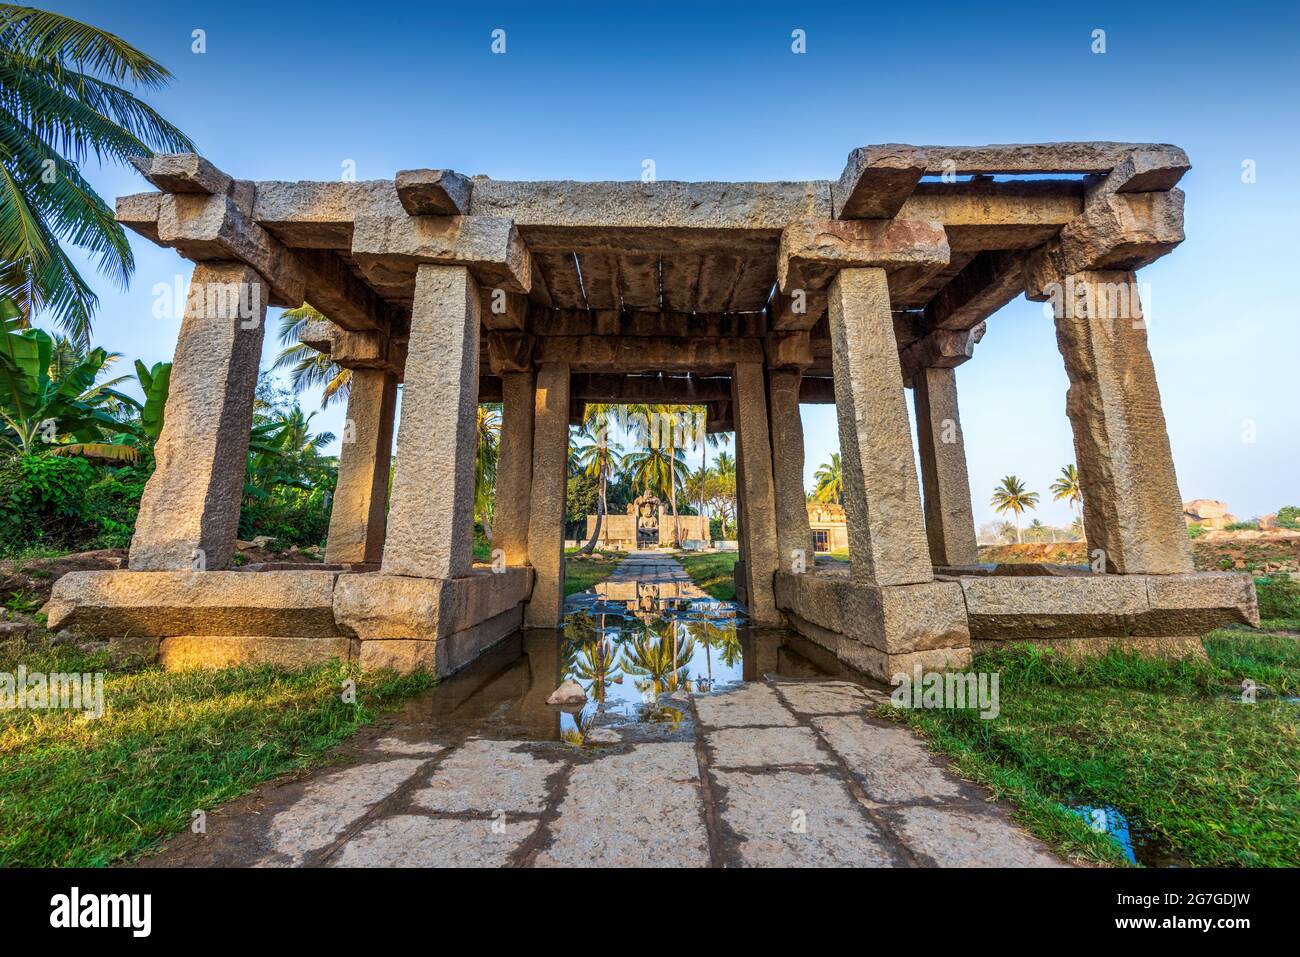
x,y
546,511
757,495
949,522
792,529
189,513
430,524
882,498
360,507
1132,508
514,467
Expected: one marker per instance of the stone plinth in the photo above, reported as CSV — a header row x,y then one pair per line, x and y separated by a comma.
x,y
295,618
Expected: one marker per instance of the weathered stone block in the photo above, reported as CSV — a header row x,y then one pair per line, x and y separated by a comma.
x,y
1044,607
183,652
444,655
904,618
1196,603
165,604
391,607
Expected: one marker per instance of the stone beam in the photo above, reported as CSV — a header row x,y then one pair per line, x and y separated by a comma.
x,y
609,353
615,388
801,310
183,173
788,350
877,180
985,285
388,249
812,253
1116,231
433,192
204,227
818,390
504,310
941,349
638,323
355,350
1094,157
1148,170
509,352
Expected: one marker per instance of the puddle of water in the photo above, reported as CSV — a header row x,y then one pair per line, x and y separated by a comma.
x,y
1139,845
640,643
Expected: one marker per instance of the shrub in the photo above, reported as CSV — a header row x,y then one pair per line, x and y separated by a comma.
x,y
43,502
1241,527
1279,597
1289,516
303,519
113,503
1195,531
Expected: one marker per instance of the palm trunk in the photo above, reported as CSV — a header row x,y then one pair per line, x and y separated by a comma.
x,y
1019,541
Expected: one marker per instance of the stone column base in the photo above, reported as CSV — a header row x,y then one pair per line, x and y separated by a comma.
x,y
294,618
878,630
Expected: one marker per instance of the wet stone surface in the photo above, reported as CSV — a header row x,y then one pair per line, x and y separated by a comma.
x,y
703,742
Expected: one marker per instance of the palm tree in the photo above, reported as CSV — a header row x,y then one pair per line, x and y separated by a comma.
x,y
488,430
669,419
62,99
830,481
309,367
724,471
1067,487
598,459
654,470
1012,496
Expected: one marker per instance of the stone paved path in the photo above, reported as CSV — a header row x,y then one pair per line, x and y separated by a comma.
x,y
777,771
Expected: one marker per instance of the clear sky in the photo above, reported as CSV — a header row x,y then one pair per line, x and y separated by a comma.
x,y
295,90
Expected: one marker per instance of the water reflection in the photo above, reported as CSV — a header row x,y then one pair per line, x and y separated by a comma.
x,y
640,643
637,637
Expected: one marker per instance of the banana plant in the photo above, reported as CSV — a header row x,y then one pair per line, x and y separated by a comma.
x,y
37,410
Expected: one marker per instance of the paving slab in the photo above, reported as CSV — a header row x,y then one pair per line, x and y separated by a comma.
x,y
491,776
793,819
641,808
414,840
754,705
765,747
893,764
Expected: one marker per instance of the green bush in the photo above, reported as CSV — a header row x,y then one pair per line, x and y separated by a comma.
x,y
1242,527
43,502
1279,597
302,519
1289,516
113,502
1195,531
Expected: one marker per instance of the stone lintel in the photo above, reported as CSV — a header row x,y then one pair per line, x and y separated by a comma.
x,y
642,323
620,387
433,192
388,249
788,350
509,352
877,180
719,417
812,252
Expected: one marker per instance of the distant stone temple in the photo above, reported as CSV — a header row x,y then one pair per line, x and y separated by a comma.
x,y
1208,513
745,298
647,524
829,525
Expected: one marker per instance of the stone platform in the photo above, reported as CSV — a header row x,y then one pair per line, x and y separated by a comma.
x,y
295,618
882,630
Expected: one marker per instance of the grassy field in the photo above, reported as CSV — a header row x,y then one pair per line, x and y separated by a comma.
x,y
1202,777
712,571
81,792
582,571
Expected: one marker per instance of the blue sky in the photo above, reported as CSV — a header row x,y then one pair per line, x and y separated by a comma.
x,y
293,90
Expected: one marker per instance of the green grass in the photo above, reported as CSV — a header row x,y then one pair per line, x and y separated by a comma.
x,y
1211,779
582,572
712,571
79,792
